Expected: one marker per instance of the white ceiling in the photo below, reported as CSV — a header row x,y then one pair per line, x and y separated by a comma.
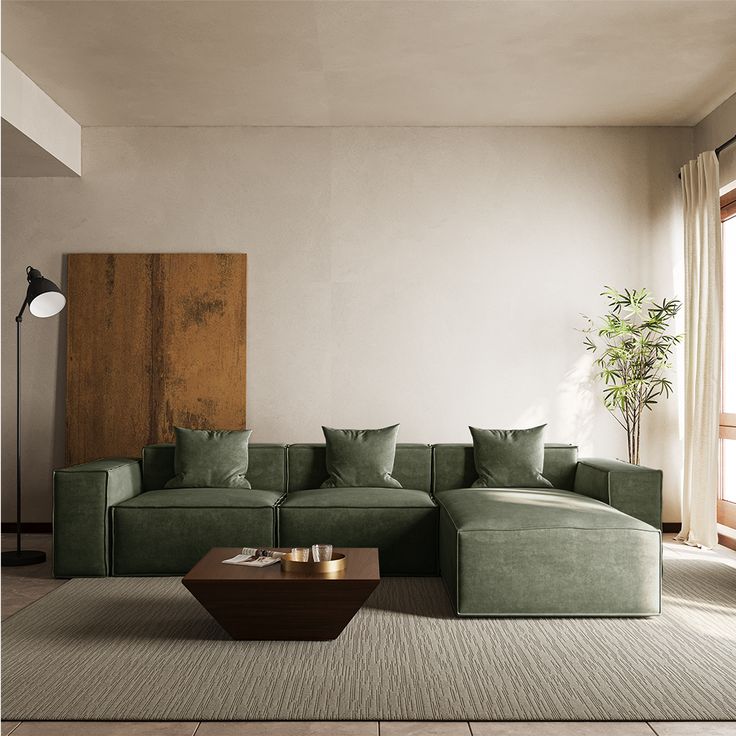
x,y
436,62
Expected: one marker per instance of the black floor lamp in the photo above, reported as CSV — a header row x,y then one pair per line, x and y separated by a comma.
x,y
43,299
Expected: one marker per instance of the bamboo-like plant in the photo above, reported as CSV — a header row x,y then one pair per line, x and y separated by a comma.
x,y
634,347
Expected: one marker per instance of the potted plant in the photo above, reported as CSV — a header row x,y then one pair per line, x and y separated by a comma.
x,y
634,347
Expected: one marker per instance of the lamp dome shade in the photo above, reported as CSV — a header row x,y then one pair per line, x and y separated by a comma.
x,y
44,297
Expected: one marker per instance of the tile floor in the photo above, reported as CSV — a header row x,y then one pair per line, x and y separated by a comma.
x,y
23,585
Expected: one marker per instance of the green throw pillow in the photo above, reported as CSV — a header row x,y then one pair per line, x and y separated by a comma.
x,y
509,458
361,458
207,458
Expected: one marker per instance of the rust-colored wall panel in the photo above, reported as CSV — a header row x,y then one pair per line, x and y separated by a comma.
x,y
154,341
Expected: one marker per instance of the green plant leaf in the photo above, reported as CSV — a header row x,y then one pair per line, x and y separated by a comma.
x,y
634,345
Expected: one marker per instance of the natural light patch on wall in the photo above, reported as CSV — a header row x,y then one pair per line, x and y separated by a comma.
x,y
39,138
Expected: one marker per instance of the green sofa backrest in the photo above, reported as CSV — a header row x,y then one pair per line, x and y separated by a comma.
x,y
266,466
307,468
454,466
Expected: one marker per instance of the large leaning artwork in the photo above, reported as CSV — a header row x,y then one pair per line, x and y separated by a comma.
x,y
153,341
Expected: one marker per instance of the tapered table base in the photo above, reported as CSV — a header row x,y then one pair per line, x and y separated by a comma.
x,y
266,603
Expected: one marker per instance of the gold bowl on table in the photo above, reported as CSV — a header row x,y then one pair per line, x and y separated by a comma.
x,y
336,564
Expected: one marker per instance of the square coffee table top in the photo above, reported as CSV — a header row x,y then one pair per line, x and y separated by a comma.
x,y
361,564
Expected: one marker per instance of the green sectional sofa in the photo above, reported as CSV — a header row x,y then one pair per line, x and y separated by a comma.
x,y
589,546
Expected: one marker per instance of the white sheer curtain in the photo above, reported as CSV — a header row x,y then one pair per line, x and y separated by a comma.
x,y
703,313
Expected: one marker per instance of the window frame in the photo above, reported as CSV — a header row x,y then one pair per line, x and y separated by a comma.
x,y
726,510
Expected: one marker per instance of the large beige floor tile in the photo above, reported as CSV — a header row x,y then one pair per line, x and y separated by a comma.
x,y
694,728
24,585
105,728
7,727
288,728
424,728
561,728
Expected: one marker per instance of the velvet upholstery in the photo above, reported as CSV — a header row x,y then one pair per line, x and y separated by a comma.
x,y
83,495
266,466
501,552
513,509
193,498
166,532
454,466
208,458
401,522
308,467
633,489
360,498
545,552
360,458
509,458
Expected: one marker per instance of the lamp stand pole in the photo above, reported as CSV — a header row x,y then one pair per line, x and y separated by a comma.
x,y
19,556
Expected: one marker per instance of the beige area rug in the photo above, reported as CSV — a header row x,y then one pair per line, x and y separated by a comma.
x,y
144,649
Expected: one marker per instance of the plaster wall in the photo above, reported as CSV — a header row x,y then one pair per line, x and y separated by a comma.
x,y
429,276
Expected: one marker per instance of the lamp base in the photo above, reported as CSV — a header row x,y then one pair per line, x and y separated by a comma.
x,y
13,558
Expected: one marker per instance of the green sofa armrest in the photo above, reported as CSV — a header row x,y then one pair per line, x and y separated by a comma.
x,y
83,495
633,489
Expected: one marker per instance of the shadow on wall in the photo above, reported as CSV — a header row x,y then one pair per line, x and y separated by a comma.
x,y
577,402
572,410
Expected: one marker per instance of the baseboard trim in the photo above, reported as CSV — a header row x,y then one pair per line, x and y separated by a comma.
x,y
671,527
26,527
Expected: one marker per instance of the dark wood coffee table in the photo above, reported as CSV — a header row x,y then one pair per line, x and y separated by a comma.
x,y
268,604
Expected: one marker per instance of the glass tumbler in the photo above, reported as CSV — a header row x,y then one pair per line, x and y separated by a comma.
x,y
321,552
300,554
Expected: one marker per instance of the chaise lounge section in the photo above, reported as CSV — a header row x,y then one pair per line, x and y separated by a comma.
x,y
550,552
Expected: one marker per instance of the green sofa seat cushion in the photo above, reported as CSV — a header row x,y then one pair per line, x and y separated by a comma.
x,y
359,498
166,532
187,498
400,522
512,509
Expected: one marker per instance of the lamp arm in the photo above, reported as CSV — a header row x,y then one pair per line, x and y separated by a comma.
x,y
19,316
30,273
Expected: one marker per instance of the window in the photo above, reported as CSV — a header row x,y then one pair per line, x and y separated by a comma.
x,y
727,491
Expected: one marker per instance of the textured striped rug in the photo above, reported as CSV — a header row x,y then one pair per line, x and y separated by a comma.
x,y
143,649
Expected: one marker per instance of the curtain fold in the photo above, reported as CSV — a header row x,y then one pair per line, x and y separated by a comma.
x,y
703,314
